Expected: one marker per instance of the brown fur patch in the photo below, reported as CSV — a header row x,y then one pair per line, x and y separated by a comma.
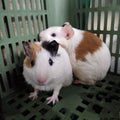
x,y
89,44
33,49
36,47
28,62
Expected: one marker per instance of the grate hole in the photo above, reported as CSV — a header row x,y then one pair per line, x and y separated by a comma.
x,y
1,34
43,99
56,118
49,93
51,105
11,53
46,21
103,81
35,105
21,96
18,50
109,112
37,21
29,5
108,99
33,117
118,84
59,98
85,102
21,25
13,119
18,5
74,116
25,113
1,83
11,101
90,95
6,26
115,97
44,2
14,26
111,83
97,108
117,90
2,4
27,25
34,40
43,111
33,25
9,78
99,96
4,55
104,93
108,88
99,85
19,106
112,97
85,86
80,109
42,23
27,100
62,110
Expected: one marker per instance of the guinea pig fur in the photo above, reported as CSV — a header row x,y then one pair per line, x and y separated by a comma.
x,y
89,56
46,67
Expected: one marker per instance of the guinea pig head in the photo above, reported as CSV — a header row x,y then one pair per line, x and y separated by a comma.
x,y
40,60
57,33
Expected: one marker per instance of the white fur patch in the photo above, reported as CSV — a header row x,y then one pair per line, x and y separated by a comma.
x,y
95,67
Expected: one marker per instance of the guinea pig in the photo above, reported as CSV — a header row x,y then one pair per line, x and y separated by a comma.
x,y
46,67
89,56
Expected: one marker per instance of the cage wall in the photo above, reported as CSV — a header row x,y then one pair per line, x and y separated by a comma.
x,y
22,20
102,17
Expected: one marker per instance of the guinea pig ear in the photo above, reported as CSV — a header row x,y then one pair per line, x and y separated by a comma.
x,y
68,30
27,49
53,48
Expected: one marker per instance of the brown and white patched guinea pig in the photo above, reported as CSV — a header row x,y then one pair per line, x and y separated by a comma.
x,y
89,56
46,67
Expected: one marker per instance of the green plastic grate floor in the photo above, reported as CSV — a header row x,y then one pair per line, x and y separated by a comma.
x,y
77,102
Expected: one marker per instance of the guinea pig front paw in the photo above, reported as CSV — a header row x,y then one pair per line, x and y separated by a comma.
x,y
33,95
52,99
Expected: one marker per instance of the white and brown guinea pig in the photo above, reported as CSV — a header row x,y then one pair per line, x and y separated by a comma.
x,y
46,67
89,56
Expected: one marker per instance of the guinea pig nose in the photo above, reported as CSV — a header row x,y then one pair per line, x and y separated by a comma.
x,y
42,81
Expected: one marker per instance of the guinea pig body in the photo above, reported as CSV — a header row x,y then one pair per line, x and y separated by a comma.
x,y
46,68
89,56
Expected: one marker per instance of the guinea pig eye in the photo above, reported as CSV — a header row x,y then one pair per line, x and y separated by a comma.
x,y
51,62
53,35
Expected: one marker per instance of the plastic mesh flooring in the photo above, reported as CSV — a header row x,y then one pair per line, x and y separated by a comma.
x,y
22,20
99,102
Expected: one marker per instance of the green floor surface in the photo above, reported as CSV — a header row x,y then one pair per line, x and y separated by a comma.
x,y
77,102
